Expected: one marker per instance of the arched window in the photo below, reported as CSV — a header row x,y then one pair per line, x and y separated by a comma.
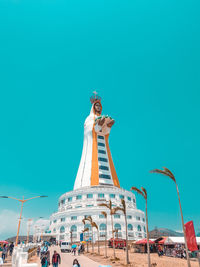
x,y
117,226
130,227
144,229
102,227
62,229
139,228
74,228
54,230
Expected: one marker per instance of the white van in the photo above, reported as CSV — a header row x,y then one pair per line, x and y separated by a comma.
x,y
65,246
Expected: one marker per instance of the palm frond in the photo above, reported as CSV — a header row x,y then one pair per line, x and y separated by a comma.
x,y
104,214
94,225
170,174
165,172
145,192
137,190
85,230
114,210
104,205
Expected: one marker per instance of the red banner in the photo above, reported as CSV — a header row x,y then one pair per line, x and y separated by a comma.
x,y
190,236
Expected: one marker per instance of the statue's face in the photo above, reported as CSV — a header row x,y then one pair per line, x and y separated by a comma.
x,y
97,107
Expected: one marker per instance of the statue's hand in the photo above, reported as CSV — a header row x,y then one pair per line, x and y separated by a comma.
x,y
101,121
110,124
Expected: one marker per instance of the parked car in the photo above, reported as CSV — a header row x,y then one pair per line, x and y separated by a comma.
x,y
65,246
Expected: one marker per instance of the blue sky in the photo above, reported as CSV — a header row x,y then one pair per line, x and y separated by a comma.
x,y
143,59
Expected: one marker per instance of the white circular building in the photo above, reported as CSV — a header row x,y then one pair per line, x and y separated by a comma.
x,y
96,182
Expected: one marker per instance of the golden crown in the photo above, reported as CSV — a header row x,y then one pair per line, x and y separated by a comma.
x,y
95,97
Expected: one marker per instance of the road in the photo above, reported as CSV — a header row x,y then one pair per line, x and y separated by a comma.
x,y
67,259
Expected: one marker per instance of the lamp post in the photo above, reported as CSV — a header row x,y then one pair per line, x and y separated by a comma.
x,y
20,217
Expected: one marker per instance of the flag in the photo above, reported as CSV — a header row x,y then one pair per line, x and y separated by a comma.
x,y
190,236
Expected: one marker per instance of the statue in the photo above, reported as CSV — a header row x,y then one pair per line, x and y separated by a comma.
x,y
96,166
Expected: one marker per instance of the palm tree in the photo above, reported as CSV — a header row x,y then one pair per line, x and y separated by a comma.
x,y
105,215
93,224
168,173
86,230
143,192
96,226
123,209
112,210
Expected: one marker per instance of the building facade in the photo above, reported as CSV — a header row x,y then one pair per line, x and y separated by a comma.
x,y
96,182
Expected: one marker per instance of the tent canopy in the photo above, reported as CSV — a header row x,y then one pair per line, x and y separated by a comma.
x,y
144,241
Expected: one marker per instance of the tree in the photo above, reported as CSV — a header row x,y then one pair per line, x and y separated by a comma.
x,y
168,173
143,192
93,224
105,215
112,210
123,209
86,230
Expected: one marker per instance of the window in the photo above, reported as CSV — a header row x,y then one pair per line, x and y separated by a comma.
x,y
144,229
62,229
69,199
137,218
129,217
54,230
101,216
121,196
86,216
55,221
102,227
101,151
143,219
133,200
100,137
74,228
101,144
78,206
112,195
105,176
129,198
103,168
73,218
62,219
62,201
78,197
139,228
103,159
100,195
117,226
130,227
116,216
89,205
89,195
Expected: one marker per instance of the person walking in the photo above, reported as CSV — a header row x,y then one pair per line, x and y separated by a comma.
x,y
76,263
11,247
79,249
38,251
44,262
56,259
4,252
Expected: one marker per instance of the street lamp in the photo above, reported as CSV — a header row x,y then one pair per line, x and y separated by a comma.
x,y
22,203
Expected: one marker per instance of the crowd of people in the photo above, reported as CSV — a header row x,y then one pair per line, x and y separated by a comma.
x,y
44,254
7,249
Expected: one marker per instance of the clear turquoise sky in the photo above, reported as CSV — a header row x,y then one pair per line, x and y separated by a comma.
x,y
143,57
